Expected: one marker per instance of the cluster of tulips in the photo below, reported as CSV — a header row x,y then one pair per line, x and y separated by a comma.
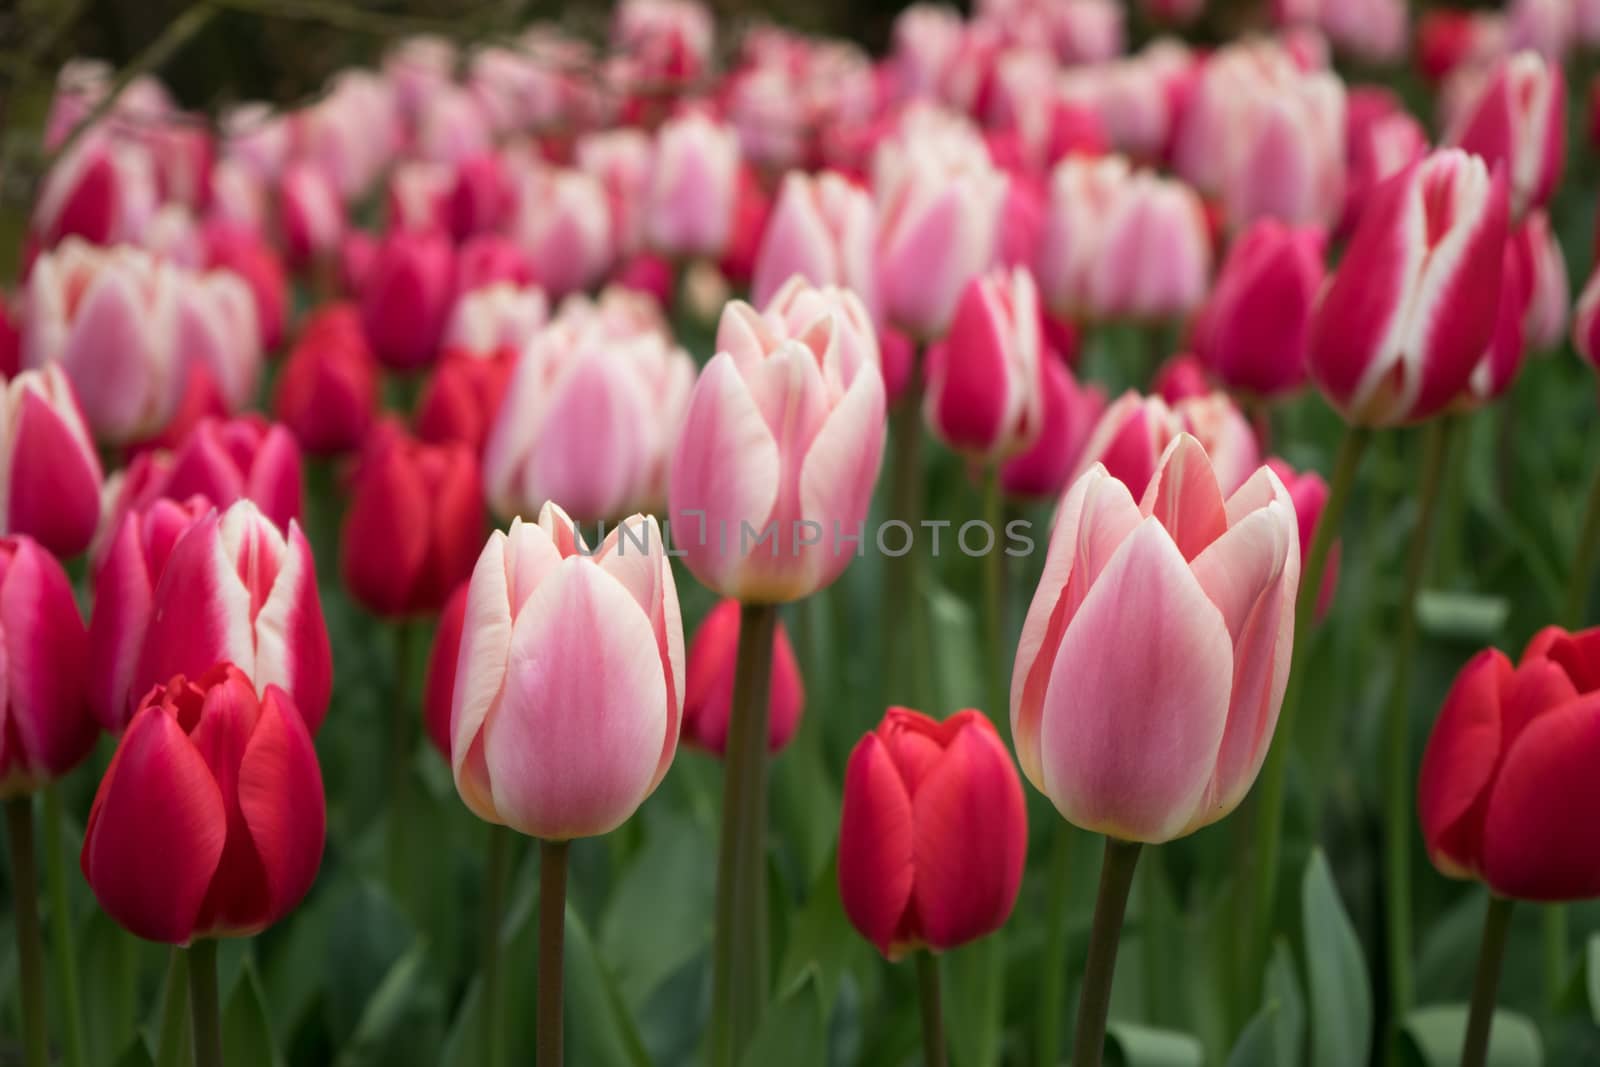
x,y
450,292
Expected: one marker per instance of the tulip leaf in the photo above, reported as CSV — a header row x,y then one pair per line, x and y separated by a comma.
x,y
599,1030
646,935
246,1034
137,1054
1592,975
1132,1045
1469,617
1341,998
1275,1036
792,1033
463,1046
974,984
821,939
1432,1037
378,1033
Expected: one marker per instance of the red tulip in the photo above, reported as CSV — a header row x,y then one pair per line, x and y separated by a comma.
x,y
406,297
1255,326
983,395
414,526
933,832
45,725
708,686
438,690
1508,791
210,820
327,392
1070,412
49,469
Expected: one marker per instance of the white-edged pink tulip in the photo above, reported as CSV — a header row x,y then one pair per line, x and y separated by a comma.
x,y
821,230
50,476
694,179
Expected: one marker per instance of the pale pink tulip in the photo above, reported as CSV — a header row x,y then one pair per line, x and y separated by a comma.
x,y
496,316
694,177
563,222
821,230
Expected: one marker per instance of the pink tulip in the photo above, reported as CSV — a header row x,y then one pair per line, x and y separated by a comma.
x,y
417,196
569,683
1309,494
489,259
620,160
983,397
1372,30
798,306
671,40
1520,120
708,686
939,202
242,251
1546,323
690,203
1135,431
1069,413
1586,321
782,443
1180,377
440,683
45,725
1153,259
820,230
1497,368
102,190
496,316
564,223
406,297
1154,655
49,469
924,42
1381,140
1253,330
310,215
1545,26
216,330
1414,302
1084,192
327,392
482,198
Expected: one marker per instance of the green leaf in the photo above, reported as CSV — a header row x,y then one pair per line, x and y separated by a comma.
x,y
1341,999
599,1030
974,997
1592,975
1469,617
386,1009
1432,1037
1131,1045
246,1034
137,1054
791,1033
646,935
1275,1036
821,940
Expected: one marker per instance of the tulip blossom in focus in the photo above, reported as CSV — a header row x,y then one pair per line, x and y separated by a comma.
x,y
822,230
1069,412
933,832
784,433
1135,431
406,297
1507,792
414,524
49,470
223,786
569,683
694,180
45,725
1519,120
1156,650
1253,330
1413,304
984,398
708,685
327,392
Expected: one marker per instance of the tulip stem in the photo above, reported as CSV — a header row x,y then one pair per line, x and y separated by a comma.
x,y
30,945
552,930
1269,813
932,1013
203,1003
400,713
739,952
494,893
1398,777
994,580
66,960
1094,1002
172,1040
1053,973
1491,951
1584,557
905,681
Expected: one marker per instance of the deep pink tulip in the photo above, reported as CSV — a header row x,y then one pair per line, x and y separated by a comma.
x,y
569,684
1309,494
1413,304
933,832
1254,328
1154,655
1070,412
822,230
693,183
620,159
45,725
482,198
1519,120
224,787
983,394
708,685
439,686
49,469
406,298
311,219
488,259
10,340
327,391
1497,368
782,441
752,207
462,397
1180,377
102,189
1586,321
1135,431
1381,139
241,250
414,525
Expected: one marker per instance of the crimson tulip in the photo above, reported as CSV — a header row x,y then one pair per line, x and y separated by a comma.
x,y
708,685
49,469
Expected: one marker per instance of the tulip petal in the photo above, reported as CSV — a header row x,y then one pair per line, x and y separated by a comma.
x,y
1185,497
1459,764
43,652
875,844
201,615
281,798
53,493
840,470
291,636
1138,697
123,595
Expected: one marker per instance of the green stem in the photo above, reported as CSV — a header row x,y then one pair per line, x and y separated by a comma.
x,y
1584,557
739,950
552,931
1053,973
1491,952
30,945
905,638
61,934
1274,777
400,716
1094,1002
994,614
494,898
172,1040
1398,785
932,1013
203,1004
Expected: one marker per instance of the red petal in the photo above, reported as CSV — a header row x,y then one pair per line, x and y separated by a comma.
x,y
875,844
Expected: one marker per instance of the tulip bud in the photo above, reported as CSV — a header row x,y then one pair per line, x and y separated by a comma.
x,y
327,392
1507,784
1135,431
49,469
708,688
488,260
1498,366
1586,322
225,788
1154,253
1070,412
406,297
440,684
1309,494
482,199
310,215
1519,120
223,460
821,230
933,832
983,395
693,183
564,223
1180,377
414,525
48,729
569,688
780,447
1413,304
1154,655
1083,193
1252,332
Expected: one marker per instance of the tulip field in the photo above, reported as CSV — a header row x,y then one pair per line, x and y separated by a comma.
x,y
1055,532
